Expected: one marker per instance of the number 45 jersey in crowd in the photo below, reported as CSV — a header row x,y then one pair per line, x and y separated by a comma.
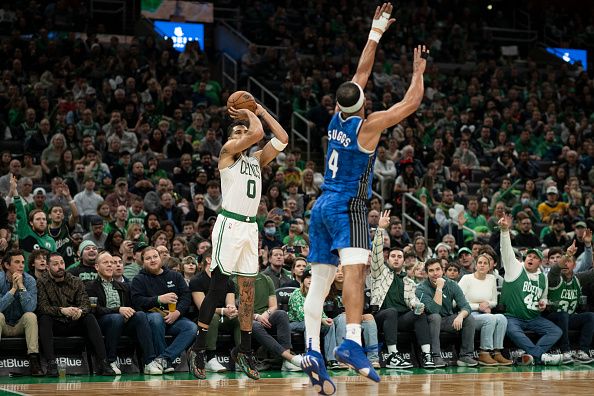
x,y
339,216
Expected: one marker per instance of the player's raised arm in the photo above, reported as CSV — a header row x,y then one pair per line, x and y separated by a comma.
x,y
381,23
380,120
241,139
277,143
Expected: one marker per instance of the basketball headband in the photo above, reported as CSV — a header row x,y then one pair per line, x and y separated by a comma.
x,y
357,106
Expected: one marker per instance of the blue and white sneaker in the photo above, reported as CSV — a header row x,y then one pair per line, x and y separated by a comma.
x,y
353,355
313,365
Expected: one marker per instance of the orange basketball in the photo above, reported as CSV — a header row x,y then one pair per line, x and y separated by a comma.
x,y
242,100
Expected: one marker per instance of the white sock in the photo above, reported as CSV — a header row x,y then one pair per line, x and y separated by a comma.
x,y
322,277
353,332
392,349
426,348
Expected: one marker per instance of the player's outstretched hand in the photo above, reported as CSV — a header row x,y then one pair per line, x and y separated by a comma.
x,y
381,19
420,55
384,220
505,222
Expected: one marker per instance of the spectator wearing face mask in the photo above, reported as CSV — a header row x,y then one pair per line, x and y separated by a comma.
x,y
269,235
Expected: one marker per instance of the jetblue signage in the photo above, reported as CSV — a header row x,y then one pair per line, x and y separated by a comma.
x,y
181,33
571,55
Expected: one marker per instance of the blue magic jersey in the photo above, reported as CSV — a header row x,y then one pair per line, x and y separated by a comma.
x,y
348,168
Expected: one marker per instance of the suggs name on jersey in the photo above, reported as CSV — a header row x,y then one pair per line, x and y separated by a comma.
x,y
340,137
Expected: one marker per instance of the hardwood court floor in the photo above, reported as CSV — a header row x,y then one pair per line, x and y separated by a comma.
x,y
576,380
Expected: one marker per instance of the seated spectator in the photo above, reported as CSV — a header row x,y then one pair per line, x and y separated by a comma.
x,y
85,268
525,236
121,195
116,316
524,295
565,292
63,308
480,290
393,295
452,270
297,269
334,309
152,289
37,263
18,300
466,261
439,295
31,229
505,193
551,205
384,171
268,320
398,237
277,273
297,318
224,320
97,236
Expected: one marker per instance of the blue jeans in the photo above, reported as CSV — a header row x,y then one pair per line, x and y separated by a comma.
x,y
492,327
577,321
112,327
183,330
369,329
329,333
548,331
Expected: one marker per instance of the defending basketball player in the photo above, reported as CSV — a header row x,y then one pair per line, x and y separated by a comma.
x,y
338,227
235,233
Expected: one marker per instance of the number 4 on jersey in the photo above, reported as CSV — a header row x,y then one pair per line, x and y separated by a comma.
x,y
333,163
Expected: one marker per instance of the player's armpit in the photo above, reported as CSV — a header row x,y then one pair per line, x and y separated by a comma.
x,y
380,120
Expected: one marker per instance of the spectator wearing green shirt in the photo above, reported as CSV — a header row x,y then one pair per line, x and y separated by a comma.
x,y
268,320
474,220
565,292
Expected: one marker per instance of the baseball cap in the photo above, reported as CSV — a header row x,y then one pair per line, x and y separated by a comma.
x,y
121,180
96,220
39,191
85,244
581,224
139,247
306,273
464,250
552,190
535,251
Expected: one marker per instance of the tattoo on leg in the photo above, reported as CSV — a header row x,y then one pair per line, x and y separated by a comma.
x,y
246,302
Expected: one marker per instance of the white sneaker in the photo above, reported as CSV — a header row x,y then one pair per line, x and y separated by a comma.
x,y
582,357
116,369
214,366
288,366
551,359
567,358
153,368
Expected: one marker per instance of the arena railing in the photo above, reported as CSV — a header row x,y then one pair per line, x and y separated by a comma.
x,y
229,71
406,217
265,96
296,120
114,8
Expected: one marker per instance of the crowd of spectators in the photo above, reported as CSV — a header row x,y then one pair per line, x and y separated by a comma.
x,y
115,147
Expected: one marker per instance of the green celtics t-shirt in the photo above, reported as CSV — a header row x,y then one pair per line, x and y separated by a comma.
x,y
566,295
521,296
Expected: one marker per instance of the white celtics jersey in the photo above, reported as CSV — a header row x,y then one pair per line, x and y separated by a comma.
x,y
241,186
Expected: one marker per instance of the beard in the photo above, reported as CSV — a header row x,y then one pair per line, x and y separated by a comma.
x,y
59,274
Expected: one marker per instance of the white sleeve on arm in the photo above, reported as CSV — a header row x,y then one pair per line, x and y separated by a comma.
x,y
493,299
512,266
584,261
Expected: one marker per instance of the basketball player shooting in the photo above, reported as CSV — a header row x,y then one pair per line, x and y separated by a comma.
x,y
338,227
235,233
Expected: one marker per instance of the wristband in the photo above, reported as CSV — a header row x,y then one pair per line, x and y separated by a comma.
x,y
277,144
374,36
158,302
